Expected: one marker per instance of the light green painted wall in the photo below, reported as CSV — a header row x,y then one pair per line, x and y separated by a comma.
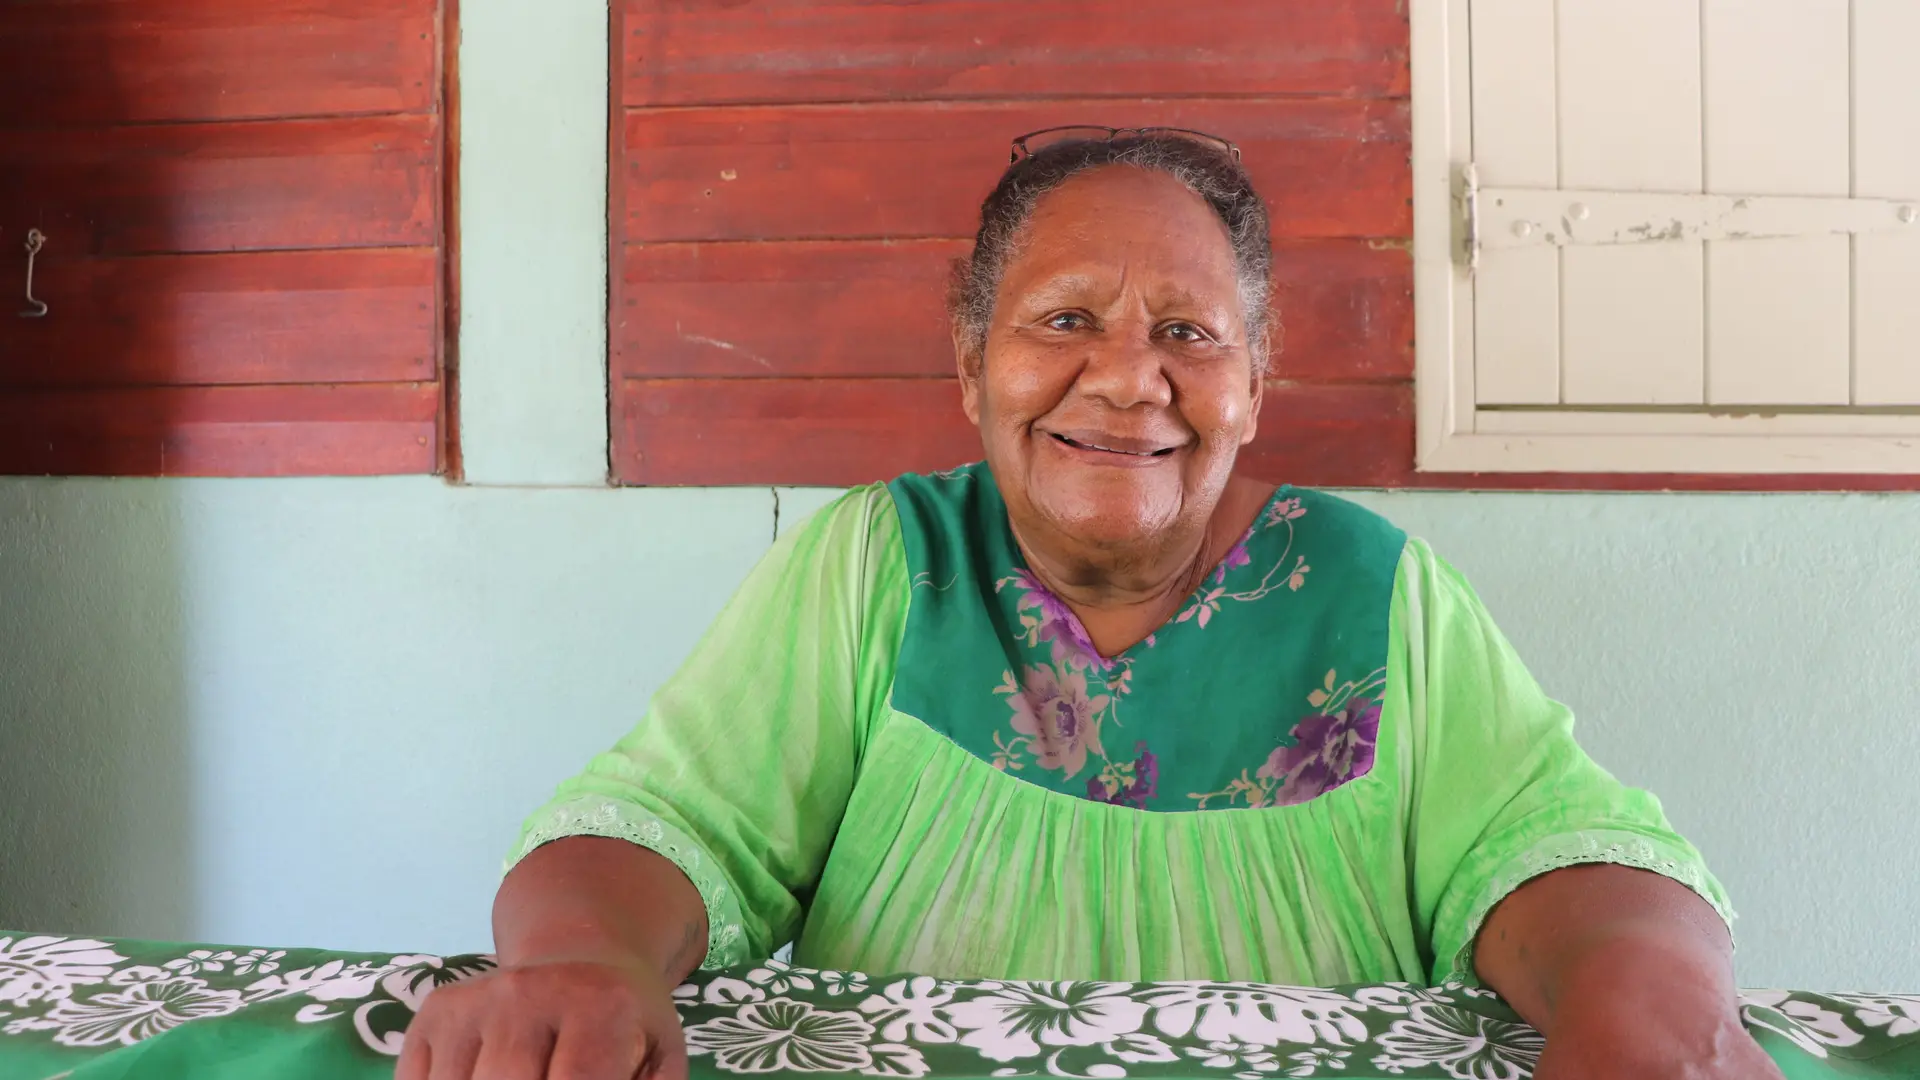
x,y
312,711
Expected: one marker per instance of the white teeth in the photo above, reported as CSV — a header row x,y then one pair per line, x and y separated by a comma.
x,y
1108,449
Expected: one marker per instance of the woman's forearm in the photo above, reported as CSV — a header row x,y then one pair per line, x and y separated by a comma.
x,y
1603,929
588,898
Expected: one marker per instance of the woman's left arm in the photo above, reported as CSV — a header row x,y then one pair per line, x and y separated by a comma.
x,y
1541,875
1625,972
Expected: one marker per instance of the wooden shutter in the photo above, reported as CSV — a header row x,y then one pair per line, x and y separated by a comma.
x,y
245,261
793,179
1691,240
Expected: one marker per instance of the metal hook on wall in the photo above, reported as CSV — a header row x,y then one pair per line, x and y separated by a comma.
x,y
35,309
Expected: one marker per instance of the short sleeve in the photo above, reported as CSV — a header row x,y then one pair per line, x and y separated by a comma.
x,y
1501,793
740,769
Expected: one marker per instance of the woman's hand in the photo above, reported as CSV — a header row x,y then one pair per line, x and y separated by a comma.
x,y
553,1020
593,936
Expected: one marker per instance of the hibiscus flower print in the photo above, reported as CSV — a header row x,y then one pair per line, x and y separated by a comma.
x,y
138,1012
1060,720
1327,751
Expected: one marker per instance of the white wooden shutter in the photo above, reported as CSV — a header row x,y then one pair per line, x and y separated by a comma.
x,y
1668,235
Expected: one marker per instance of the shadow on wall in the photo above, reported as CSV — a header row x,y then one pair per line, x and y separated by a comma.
x,y
94,789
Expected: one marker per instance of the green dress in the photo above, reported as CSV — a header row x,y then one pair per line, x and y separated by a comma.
x,y
898,751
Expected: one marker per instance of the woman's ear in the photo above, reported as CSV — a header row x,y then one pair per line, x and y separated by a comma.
x,y
968,360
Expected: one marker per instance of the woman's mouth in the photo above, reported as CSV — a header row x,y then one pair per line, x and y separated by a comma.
x,y
1096,443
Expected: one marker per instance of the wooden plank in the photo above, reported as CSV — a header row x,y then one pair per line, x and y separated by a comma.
x,y
360,430
1516,294
849,431
368,181
97,62
873,308
683,53
1632,319
184,320
1344,310
1886,163
1634,324
1777,90
1778,317
1331,168
877,308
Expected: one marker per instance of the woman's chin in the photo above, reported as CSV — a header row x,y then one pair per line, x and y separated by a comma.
x,y
1107,515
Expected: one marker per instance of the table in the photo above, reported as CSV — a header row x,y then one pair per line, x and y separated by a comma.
x,y
85,1009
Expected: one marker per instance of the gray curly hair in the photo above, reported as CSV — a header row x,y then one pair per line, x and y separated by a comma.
x,y
1210,172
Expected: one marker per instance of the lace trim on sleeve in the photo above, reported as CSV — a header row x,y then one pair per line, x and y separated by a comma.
x,y
593,815
1578,849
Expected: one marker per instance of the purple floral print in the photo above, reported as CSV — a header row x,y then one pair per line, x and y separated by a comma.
x,y
1058,625
1054,711
1237,557
1145,784
1328,751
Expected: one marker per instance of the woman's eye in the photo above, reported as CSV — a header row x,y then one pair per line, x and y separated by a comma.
x,y
1186,332
1066,320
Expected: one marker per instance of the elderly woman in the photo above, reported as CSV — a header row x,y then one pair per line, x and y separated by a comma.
x,y
1101,708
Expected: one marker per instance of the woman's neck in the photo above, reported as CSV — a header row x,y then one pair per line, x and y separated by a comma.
x,y
1122,597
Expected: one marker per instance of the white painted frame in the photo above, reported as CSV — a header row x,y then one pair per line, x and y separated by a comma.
x,y
1455,436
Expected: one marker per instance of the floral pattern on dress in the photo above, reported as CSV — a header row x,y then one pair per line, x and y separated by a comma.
x,y
1061,707
1331,747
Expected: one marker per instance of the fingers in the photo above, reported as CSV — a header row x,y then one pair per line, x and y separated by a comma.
x,y
512,1051
454,1054
416,1056
670,1063
593,1052
669,1049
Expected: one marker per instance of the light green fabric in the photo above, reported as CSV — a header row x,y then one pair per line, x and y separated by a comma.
x,y
773,770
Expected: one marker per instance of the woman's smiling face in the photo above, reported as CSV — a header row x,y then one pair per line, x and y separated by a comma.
x,y
1117,383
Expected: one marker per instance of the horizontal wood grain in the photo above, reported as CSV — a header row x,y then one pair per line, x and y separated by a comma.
x,y
1330,167
685,52
99,62
257,317
793,309
222,431
849,431
877,308
366,181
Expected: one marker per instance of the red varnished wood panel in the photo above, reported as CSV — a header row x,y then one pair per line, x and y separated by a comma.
x,y
837,432
368,181
753,310
850,431
686,52
222,431
1331,167
183,320
788,431
876,308
1344,310
98,62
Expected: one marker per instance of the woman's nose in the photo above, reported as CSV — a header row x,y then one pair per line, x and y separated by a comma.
x,y
1124,369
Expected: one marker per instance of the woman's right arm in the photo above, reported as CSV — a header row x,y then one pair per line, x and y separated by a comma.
x,y
696,837
593,935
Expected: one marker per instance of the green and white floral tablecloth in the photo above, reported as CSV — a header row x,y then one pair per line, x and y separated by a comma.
x,y
92,1010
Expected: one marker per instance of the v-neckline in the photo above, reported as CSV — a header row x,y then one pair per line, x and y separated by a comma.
x,y
1217,572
